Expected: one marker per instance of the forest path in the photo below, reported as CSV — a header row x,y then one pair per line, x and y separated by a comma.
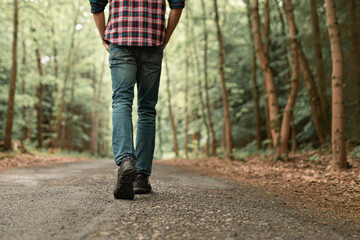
x,y
75,201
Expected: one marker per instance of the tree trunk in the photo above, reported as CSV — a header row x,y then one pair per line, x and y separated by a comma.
x,y
10,112
288,112
270,85
63,92
320,122
32,113
253,78
338,109
207,101
354,26
318,58
227,120
94,117
72,110
159,133
170,108
293,134
186,92
266,44
197,72
23,109
40,96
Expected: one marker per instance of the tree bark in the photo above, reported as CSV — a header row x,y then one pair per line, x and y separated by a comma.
x,y
40,95
266,44
338,109
354,26
63,92
269,79
32,113
288,112
94,117
197,71
318,58
72,110
207,101
170,108
254,84
10,112
186,92
227,120
23,109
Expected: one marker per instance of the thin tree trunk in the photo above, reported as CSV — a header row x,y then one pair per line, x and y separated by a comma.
x,y
293,134
32,113
40,96
63,92
70,128
207,101
288,112
270,85
56,67
23,109
354,26
63,128
283,33
227,120
159,133
170,108
318,58
254,84
94,117
266,44
10,112
197,71
186,92
338,109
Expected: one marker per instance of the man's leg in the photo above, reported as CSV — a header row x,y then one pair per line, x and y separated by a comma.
x,y
148,80
123,66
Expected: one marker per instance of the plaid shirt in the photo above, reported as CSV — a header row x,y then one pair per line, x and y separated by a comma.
x,y
135,22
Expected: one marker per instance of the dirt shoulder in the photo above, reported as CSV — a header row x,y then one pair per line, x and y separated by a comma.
x,y
306,179
14,160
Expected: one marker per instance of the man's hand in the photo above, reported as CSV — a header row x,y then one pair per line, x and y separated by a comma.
x,y
99,19
173,21
105,45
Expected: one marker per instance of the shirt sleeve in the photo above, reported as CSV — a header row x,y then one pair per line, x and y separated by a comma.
x,y
176,4
98,6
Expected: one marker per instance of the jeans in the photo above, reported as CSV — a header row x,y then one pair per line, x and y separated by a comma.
x,y
130,65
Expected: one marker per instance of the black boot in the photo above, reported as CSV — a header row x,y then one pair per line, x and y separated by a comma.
x,y
142,184
126,176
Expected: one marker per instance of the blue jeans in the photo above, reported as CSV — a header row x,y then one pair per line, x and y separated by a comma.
x,y
130,65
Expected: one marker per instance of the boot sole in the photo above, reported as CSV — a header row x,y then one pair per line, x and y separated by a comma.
x,y
125,188
141,191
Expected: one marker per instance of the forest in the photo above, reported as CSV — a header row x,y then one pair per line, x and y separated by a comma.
x,y
239,78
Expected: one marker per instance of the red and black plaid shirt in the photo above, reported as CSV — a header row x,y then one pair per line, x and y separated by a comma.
x,y
135,22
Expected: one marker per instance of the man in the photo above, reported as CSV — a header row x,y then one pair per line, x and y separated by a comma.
x,y
135,36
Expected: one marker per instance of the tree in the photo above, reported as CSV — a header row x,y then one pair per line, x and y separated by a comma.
x,y
338,109
170,107
10,112
253,80
227,120
63,92
206,80
318,57
269,79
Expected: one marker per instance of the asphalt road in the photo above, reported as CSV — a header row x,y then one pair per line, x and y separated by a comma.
x,y
75,201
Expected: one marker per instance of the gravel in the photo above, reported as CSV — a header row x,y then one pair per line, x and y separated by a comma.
x,y
75,201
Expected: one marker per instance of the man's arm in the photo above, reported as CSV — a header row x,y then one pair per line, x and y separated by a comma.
x,y
175,14
174,17
99,19
97,8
